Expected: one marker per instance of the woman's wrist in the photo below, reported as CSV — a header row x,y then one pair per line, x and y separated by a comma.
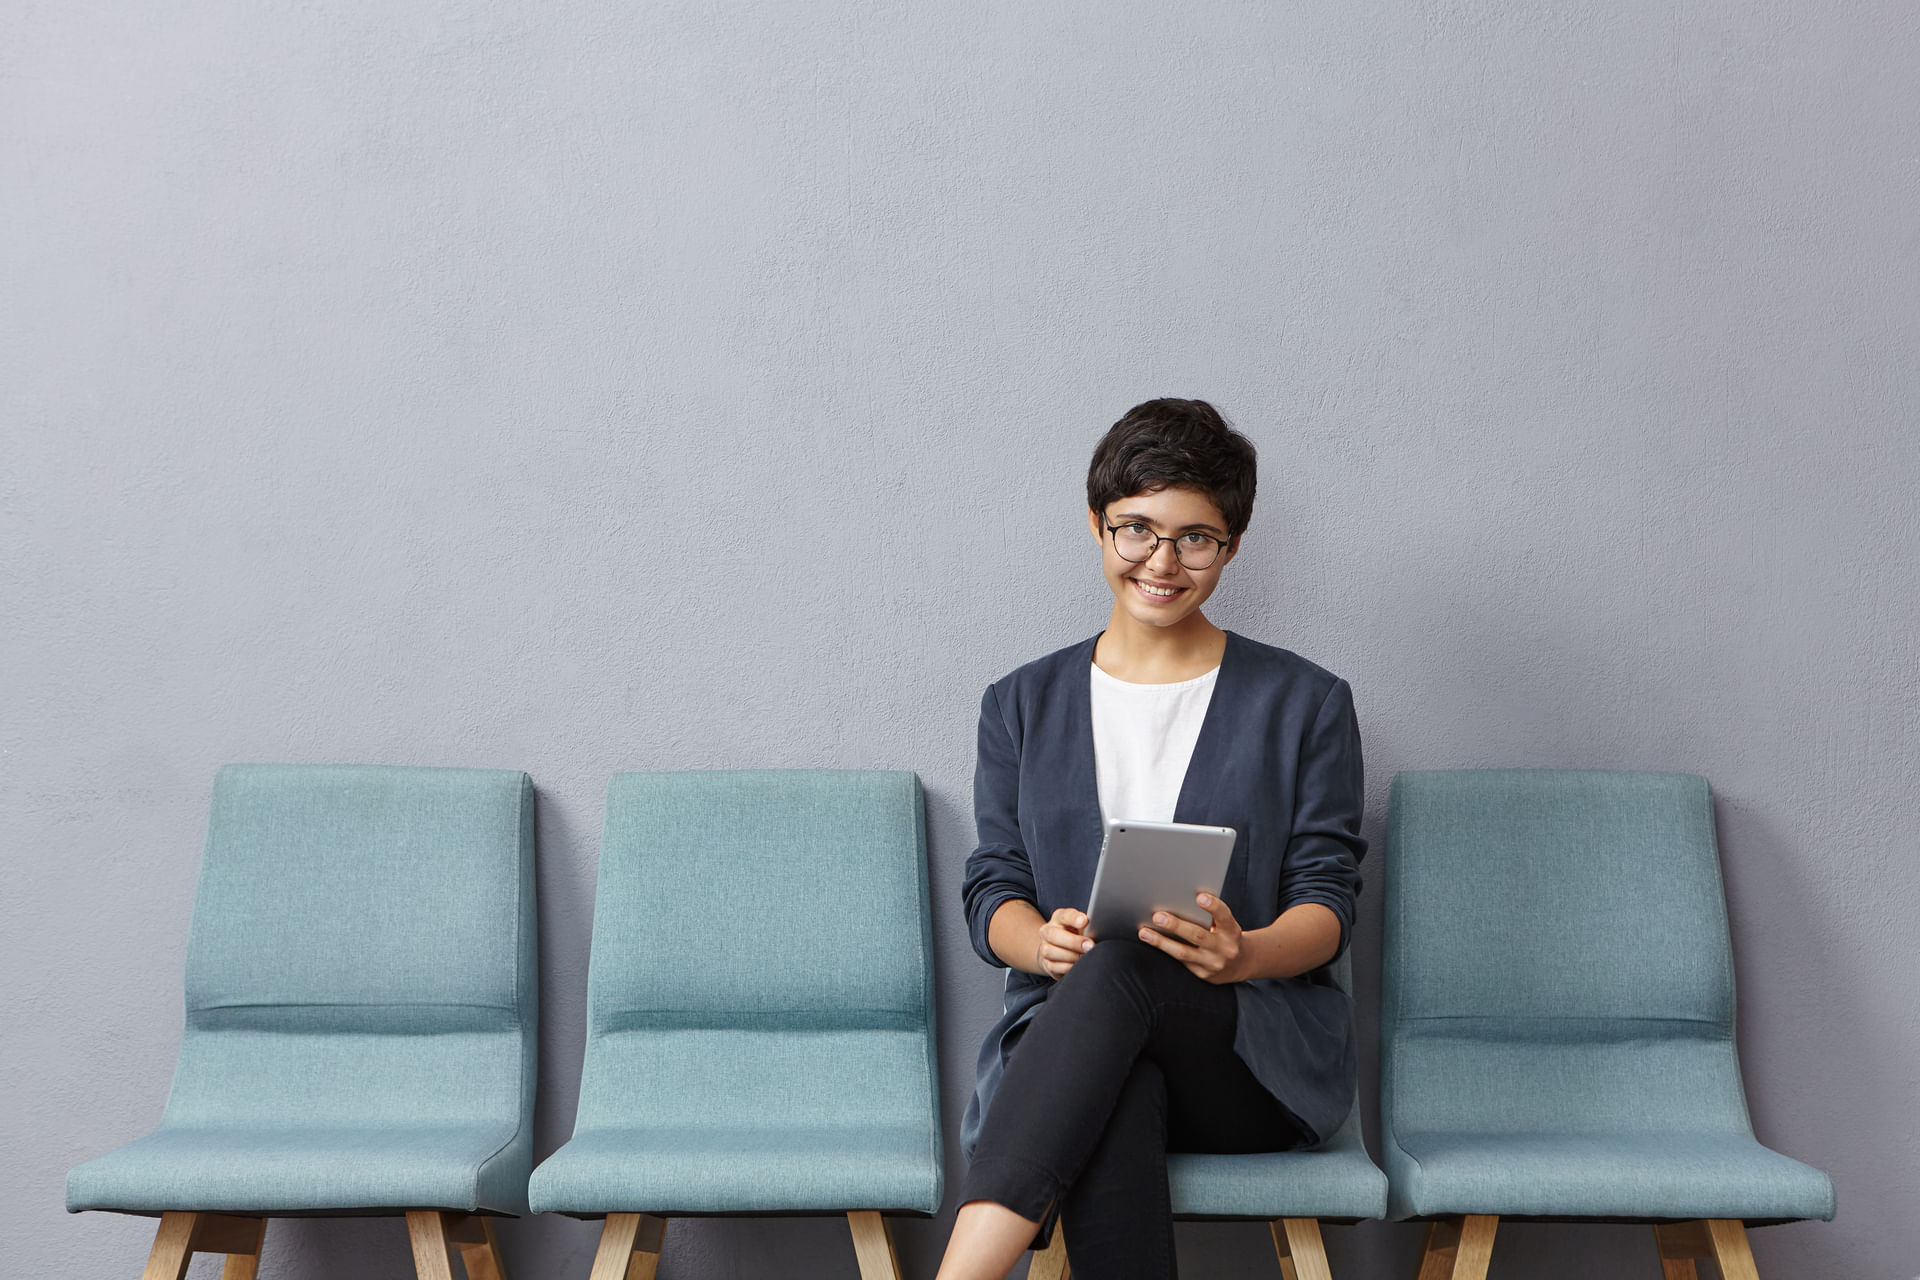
x,y
1014,934
1305,937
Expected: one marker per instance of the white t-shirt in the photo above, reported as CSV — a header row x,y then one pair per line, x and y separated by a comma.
x,y
1143,736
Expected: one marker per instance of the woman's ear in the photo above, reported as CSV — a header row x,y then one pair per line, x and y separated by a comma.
x,y
1095,526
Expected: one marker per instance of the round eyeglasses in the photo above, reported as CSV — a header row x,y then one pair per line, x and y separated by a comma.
x,y
1136,542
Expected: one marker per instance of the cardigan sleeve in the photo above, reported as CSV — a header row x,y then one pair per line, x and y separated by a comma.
x,y
998,870
1322,862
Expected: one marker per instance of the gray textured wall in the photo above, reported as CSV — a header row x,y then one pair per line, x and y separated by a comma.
x,y
577,387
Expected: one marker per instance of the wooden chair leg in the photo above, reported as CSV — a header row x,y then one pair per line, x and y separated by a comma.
x,y
1729,1239
616,1246
873,1246
1283,1250
239,1238
630,1245
650,1237
432,1251
472,1235
1459,1248
1296,1241
172,1247
1051,1263
1722,1239
181,1235
1679,1244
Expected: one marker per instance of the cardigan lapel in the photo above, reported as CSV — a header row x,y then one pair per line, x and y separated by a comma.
x,y
1212,748
1082,771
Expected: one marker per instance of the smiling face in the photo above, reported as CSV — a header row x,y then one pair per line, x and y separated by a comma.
x,y
1161,592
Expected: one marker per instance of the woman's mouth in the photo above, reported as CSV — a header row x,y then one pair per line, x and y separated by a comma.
x,y
1156,593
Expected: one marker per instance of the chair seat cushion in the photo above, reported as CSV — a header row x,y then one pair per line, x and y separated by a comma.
x,y
267,1171
1335,1181
1638,1176
713,1169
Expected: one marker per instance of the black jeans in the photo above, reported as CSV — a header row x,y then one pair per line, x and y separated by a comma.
x,y
1131,1056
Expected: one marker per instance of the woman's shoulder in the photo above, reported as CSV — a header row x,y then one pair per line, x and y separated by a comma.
x,y
1034,678
1270,664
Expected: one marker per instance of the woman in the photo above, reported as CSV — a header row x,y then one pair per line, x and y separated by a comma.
x,y
1224,1039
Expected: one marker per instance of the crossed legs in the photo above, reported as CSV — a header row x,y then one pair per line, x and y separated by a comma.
x,y
1130,1055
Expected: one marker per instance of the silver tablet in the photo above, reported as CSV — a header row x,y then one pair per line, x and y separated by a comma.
x,y
1155,866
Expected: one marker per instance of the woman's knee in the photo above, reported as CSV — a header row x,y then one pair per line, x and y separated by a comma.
x,y
1118,973
1116,958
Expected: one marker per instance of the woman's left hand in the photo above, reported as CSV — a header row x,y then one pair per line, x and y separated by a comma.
x,y
1211,954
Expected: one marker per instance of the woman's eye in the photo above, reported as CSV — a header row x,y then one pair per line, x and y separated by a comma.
x,y
1136,531
1194,539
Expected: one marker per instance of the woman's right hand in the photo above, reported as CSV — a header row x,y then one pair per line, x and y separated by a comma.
x,y
1062,942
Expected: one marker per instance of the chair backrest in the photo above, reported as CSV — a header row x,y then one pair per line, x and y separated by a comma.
x,y
362,950
757,936
1556,955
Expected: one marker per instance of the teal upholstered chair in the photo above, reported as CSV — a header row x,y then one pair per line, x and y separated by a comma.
x,y
361,1006
1292,1191
1557,1030
759,1012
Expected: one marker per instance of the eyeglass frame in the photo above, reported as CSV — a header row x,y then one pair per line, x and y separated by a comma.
x,y
1219,544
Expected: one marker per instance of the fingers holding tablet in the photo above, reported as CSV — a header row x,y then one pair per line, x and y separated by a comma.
x,y
1063,941
1209,954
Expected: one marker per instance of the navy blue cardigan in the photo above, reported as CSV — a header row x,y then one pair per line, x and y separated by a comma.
x,y
1278,760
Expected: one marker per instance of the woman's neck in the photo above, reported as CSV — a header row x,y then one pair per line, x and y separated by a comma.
x,y
1159,655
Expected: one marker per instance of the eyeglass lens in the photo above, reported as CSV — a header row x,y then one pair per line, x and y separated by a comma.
x,y
1138,543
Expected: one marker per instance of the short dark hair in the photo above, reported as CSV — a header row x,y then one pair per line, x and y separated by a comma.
x,y
1166,444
